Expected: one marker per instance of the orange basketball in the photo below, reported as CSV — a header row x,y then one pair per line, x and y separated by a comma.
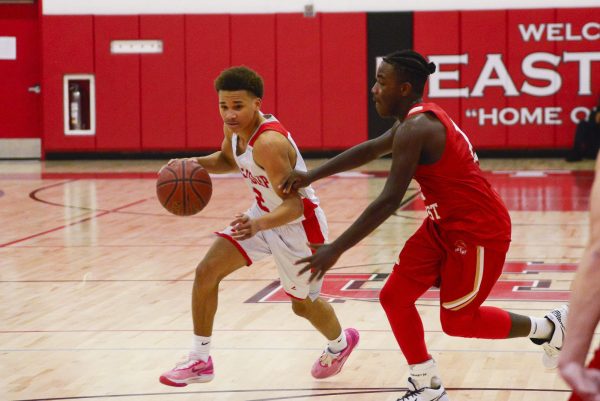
x,y
183,187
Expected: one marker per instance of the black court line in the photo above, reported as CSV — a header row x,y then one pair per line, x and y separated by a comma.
x,y
329,392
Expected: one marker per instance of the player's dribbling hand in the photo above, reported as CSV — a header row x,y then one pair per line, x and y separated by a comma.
x,y
322,260
243,227
584,381
294,181
170,162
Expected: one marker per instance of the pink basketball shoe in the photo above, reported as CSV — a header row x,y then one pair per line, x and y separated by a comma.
x,y
190,371
330,364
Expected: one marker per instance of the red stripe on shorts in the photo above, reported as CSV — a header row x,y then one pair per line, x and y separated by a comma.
x,y
237,245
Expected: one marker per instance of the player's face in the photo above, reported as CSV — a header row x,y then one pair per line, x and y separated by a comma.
x,y
387,91
238,109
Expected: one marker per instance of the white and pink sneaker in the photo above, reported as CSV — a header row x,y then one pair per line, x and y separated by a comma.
x,y
190,371
330,364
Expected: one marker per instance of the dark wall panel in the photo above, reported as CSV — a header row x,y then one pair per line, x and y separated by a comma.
x,y
386,32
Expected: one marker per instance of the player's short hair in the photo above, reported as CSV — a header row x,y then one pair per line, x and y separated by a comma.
x,y
412,66
240,78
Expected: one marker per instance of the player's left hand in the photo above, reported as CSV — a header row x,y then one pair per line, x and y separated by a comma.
x,y
319,262
243,227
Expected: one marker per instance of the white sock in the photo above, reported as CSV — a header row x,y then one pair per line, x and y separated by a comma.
x,y
338,344
200,348
422,373
541,328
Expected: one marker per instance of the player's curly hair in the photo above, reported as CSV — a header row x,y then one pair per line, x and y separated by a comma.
x,y
240,78
411,66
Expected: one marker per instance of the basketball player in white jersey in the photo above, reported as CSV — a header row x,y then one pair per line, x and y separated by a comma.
x,y
276,224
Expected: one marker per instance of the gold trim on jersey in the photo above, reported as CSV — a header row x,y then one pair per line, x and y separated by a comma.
x,y
467,299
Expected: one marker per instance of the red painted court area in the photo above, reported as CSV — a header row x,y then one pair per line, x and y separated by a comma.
x,y
520,282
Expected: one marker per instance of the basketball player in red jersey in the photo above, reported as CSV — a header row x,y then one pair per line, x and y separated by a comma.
x,y
585,312
277,224
461,245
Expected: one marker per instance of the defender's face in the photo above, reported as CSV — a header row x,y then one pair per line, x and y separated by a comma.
x,y
387,92
238,109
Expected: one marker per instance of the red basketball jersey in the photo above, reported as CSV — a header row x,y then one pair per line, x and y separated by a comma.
x,y
457,196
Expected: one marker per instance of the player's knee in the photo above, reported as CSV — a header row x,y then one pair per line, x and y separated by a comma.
x,y
391,298
207,273
301,308
457,324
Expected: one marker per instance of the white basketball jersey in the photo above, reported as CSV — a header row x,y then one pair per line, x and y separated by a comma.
x,y
266,199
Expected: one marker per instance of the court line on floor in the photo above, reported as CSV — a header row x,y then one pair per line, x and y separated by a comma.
x,y
336,391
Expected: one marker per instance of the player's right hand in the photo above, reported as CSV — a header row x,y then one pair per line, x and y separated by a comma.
x,y
173,161
294,181
584,381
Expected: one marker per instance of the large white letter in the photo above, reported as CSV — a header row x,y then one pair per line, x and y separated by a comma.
x,y
494,64
588,27
530,71
584,59
434,80
530,31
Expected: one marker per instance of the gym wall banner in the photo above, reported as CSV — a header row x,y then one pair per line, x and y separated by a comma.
x,y
512,79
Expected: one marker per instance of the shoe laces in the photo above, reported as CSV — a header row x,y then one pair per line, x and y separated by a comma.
x,y
412,395
328,357
186,364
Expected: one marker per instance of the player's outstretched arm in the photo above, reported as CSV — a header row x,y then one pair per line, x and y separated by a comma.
x,y
408,144
351,158
584,309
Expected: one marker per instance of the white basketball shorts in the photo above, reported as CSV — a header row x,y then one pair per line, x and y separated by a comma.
x,y
287,244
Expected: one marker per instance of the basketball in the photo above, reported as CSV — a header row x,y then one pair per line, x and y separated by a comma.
x,y
183,187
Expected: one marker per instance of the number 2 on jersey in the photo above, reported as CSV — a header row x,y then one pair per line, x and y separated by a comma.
x,y
260,201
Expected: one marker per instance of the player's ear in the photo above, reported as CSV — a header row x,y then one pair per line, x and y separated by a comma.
x,y
257,103
405,88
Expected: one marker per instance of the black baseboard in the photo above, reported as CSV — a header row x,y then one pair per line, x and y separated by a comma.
x,y
311,154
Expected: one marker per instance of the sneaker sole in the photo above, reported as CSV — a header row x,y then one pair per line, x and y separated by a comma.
x,y
183,383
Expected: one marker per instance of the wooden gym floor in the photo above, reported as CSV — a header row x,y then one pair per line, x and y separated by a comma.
x,y
95,281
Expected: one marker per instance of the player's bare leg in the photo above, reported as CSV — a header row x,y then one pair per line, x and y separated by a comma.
x,y
222,259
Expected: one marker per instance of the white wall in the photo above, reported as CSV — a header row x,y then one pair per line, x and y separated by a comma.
x,y
290,6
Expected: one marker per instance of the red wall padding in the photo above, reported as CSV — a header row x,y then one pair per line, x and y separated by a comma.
x,y
439,33
570,71
522,136
205,59
67,48
117,86
163,84
485,34
344,79
253,45
481,31
20,110
314,71
167,102
298,85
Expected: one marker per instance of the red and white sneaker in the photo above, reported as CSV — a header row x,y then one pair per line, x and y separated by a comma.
x,y
190,371
330,364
